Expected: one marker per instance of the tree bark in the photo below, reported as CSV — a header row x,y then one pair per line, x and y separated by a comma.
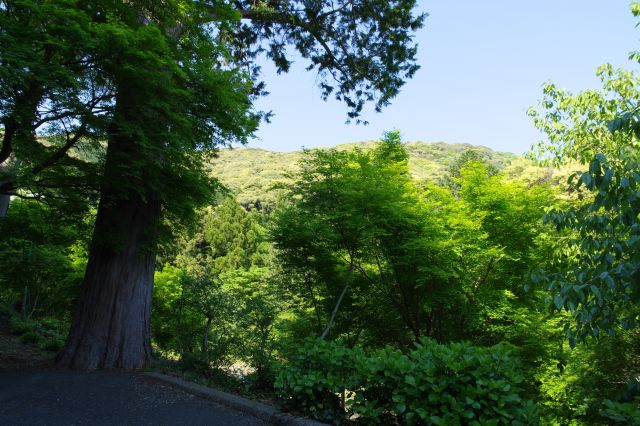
x,y
111,328
19,123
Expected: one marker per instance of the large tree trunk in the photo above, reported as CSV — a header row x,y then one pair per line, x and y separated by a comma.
x,y
111,328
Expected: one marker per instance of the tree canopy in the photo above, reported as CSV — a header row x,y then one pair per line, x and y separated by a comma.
x,y
598,266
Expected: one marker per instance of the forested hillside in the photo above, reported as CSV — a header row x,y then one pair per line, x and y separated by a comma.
x,y
250,173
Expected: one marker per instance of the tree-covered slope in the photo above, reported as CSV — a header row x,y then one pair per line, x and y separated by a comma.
x,y
251,172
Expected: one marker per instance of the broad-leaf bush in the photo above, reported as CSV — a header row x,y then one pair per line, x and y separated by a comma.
x,y
436,384
317,375
47,332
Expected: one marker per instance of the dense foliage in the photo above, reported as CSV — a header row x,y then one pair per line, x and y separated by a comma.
x,y
43,256
594,271
431,384
601,264
324,294
379,283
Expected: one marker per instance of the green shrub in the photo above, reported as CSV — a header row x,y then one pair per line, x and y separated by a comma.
x,y
432,384
31,337
53,345
622,412
445,384
49,333
316,376
625,407
20,327
195,362
53,328
5,310
205,364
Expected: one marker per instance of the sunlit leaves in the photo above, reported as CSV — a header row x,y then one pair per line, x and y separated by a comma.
x,y
598,272
578,126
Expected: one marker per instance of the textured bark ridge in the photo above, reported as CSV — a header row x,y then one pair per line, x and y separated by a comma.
x,y
111,328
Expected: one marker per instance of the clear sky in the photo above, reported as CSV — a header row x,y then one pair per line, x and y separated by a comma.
x,y
483,64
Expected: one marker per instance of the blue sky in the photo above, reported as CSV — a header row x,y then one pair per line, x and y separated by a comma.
x,y
483,64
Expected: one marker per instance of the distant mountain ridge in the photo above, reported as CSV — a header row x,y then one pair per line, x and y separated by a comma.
x,y
250,172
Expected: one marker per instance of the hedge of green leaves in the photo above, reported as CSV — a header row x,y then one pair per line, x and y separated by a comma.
x,y
435,384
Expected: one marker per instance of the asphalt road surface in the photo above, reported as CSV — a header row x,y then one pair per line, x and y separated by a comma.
x,y
60,397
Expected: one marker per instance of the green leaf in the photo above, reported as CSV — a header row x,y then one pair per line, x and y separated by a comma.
x,y
410,380
558,301
436,420
595,290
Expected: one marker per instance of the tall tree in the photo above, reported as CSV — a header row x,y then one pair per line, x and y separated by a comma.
x,y
597,266
370,248
180,90
174,101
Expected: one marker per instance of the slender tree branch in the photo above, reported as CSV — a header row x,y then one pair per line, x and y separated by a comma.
x,y
483,278
56,156
337,305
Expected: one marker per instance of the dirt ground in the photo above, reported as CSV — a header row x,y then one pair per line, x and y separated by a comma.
x,y
15,355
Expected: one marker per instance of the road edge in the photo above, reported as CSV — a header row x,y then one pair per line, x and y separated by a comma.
x,y
262,411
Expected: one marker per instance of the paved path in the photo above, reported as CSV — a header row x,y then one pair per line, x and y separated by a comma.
x,y
61,397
